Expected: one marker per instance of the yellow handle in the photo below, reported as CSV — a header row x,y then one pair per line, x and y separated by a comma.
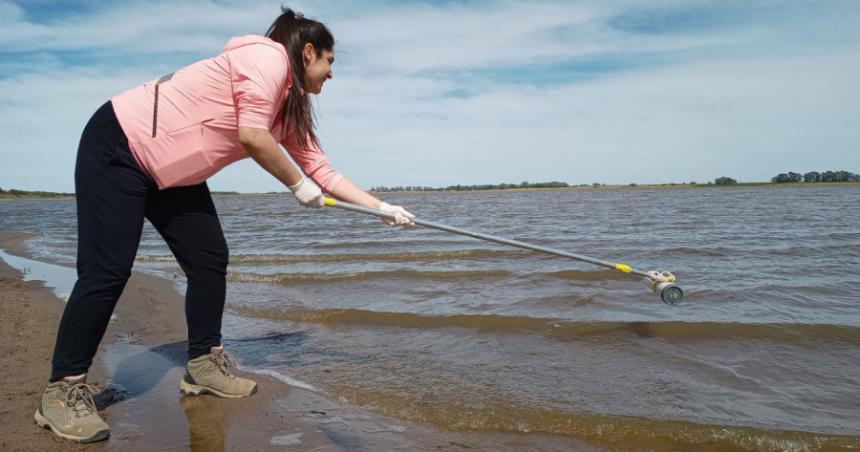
x,y
329,201
623,268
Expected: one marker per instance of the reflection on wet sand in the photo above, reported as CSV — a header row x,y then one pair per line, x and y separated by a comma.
x,y
206,423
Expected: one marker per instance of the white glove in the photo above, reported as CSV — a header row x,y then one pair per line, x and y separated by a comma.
x,y
307,193
401,215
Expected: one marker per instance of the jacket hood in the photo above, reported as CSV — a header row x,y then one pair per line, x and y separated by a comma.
x,y
240,41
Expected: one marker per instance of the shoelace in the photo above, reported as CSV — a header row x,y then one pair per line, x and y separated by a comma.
x,y
84,393
224,362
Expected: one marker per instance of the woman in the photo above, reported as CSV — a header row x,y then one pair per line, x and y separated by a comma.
x,y
146,154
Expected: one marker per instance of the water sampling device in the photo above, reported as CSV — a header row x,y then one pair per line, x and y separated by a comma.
x,y
661,283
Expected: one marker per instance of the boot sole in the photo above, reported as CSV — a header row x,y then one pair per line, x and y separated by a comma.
x,y
43,422
190,389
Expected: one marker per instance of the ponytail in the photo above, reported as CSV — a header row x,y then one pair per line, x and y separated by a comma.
x,y
293,31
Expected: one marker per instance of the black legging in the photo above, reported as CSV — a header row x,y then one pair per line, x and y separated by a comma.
x,y
113,198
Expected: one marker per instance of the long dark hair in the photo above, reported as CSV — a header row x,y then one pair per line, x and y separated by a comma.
x,y
293,31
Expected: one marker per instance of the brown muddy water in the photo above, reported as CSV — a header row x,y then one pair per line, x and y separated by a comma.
x,y
469,335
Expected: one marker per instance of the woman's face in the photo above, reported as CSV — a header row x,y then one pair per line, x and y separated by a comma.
x,y
317,68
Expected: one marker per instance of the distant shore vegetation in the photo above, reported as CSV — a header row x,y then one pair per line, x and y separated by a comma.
x,y
522,185
812,177
13,193
28,194
790,177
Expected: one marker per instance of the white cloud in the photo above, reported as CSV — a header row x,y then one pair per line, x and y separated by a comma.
x,y
740,118
747,101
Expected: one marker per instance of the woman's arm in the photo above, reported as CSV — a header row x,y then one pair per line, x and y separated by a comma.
x,y
347,191
262,147
314,162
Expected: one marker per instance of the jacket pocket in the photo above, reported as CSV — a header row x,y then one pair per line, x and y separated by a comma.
x,y
180,156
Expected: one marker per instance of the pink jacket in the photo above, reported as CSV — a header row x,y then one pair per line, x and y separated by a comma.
x,y
200,109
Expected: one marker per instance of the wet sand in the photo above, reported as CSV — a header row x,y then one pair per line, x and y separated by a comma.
x,y
140,362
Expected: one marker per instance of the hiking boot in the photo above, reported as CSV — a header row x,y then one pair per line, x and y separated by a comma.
x,y
69,411
211,374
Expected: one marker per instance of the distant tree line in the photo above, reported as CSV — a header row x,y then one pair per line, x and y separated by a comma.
x,y
40,194
810,177
472,187
815,176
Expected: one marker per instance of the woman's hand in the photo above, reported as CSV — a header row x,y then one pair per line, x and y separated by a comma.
x,y
347,191
402,217
308,193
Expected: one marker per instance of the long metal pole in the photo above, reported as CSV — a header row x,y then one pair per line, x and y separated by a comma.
x,y
676,294
442,227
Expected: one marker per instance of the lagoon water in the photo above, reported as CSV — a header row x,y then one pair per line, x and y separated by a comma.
x,y
764,353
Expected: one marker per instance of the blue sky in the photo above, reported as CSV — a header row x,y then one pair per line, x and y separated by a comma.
x,y
440,93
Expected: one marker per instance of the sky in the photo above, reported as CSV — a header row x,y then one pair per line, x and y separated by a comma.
x,y
440,93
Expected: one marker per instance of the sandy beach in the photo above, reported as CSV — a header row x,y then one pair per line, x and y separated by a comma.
x,y
140,363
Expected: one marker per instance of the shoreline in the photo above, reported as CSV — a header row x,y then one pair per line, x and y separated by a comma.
x,y
666,186
143,405
140,361
629,187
